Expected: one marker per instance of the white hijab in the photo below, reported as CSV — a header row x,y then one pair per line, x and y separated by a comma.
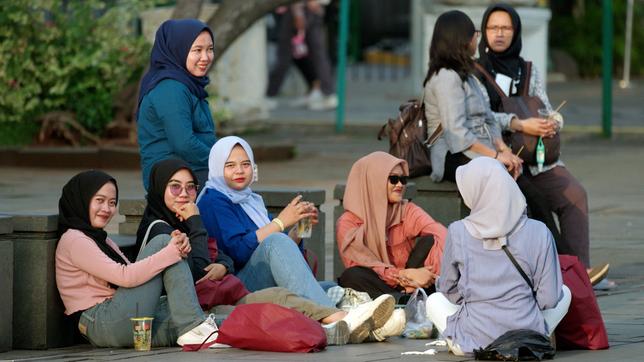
x,y
496,203
252,203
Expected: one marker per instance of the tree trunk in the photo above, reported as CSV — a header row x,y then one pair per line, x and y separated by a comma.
x,y
187,9
234,17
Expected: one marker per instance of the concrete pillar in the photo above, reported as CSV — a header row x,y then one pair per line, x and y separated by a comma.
x,y
6,284
38,313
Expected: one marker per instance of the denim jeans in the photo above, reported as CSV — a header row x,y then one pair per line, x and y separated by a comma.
x,y
278,262
108,324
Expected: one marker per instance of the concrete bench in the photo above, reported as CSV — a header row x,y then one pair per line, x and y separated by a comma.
x,y
6,284
37,310
441,200
275,198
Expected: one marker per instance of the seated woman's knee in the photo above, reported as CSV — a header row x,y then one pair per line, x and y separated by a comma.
x,y
154,245
278,240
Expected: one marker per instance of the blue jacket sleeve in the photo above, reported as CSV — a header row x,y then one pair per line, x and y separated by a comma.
x,y
174,104
233,236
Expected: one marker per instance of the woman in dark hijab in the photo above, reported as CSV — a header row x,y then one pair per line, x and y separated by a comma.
x,y
550,188
172,203
102,289
174,118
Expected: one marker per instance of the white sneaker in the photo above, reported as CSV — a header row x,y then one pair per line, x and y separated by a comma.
x,y
314,96
369,316
394,327
206,332
271,103
337,333
326,103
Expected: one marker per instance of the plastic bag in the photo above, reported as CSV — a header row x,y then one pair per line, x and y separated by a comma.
x,y
517,345
418,324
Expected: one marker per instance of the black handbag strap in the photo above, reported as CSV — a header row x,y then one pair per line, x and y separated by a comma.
x,y
523,274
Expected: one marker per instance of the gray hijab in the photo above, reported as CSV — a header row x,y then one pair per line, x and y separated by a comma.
x,y
497,205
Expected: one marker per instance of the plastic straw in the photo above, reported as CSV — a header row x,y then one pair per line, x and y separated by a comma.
x,y
520,149
561,105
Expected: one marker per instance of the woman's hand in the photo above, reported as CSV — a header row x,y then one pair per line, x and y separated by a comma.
x,y
313,210
416,278
214,272
182,243
295,211
538,127
185,211
511,161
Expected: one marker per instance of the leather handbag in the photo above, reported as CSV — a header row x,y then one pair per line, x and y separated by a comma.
x,y
408,137
524,106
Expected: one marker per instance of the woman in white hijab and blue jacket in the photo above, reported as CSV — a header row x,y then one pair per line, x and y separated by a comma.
x,y
263,254
481,294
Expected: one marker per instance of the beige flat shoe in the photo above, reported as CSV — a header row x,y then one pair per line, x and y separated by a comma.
x,y
598,273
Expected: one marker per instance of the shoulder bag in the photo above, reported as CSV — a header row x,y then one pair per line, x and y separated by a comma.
x,y
524,106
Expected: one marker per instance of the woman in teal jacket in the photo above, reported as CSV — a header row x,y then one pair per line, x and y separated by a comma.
x,y
174,118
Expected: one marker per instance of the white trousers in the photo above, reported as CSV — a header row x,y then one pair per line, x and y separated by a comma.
x,y
439,308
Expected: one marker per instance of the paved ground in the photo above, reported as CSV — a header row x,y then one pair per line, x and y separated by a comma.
x,y
611,171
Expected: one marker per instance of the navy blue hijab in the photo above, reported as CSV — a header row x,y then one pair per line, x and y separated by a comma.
x,y
168,59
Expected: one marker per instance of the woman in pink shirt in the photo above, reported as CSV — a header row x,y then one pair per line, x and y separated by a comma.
x,y
102,289
378,233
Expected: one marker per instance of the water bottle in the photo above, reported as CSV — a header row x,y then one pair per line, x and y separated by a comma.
x,y
541,154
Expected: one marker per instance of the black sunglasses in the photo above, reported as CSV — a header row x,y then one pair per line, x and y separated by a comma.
x,y
394,179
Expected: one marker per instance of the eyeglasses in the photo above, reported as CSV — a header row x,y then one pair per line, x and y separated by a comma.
x,y
477,33
503,29
394,179
176,188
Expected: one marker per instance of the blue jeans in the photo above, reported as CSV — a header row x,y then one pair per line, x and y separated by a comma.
x,y
108,323
277,262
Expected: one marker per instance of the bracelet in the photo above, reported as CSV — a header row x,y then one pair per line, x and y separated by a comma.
x,y
497,155
279,223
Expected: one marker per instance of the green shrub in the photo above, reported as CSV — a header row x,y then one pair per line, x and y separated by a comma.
x,y
581,36
67,55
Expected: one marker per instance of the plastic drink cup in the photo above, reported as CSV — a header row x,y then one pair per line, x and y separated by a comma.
x,y
304,228
544,113
142,333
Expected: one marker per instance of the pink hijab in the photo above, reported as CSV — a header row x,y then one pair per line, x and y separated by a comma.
x,y
366,197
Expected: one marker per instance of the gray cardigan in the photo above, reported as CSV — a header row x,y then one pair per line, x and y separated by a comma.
x,y
464,111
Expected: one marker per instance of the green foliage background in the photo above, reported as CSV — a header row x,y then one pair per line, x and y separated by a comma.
x,y
65,55
581,36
